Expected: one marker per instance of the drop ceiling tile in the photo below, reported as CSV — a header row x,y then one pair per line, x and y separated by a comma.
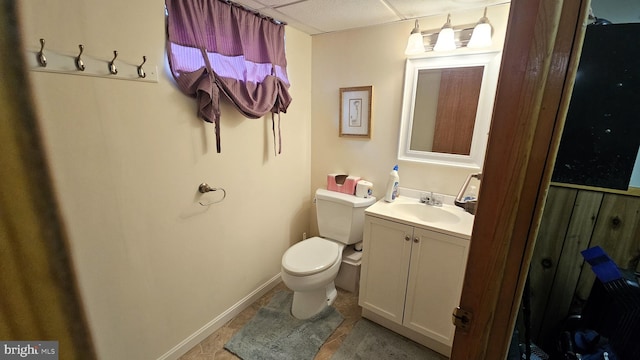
x,y
336,15
254,5
266,7
293,22
276,3
319,16
410,9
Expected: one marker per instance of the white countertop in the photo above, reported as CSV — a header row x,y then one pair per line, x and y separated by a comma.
x,y
448,219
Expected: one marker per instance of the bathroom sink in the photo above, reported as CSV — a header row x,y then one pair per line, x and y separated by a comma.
x,y
429,213
448,219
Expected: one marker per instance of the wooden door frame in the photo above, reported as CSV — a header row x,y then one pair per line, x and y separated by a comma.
x,y
540,58
40,300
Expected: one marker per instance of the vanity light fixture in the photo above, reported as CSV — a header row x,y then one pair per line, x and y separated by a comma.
x,y
473,36
446,38
481,36
415,45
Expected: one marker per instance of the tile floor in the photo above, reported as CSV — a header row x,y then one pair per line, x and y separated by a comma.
x,y
213,346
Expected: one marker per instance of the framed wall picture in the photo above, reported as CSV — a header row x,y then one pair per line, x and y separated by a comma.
x,y
355,111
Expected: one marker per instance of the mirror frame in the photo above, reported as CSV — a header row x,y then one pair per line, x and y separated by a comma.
x,y
491,62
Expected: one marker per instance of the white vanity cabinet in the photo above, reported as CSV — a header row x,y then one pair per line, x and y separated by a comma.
x,y
411,280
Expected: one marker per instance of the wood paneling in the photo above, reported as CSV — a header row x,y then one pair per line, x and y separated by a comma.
x,y
616,231
555,220
575,220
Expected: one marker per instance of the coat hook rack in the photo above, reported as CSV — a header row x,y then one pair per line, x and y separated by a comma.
x,y
42,60
79,63
141,72
83,64
112,67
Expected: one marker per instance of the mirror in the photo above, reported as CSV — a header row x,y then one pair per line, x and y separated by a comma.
x,y
446,108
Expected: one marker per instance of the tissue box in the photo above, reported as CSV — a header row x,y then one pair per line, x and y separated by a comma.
x,y
342,183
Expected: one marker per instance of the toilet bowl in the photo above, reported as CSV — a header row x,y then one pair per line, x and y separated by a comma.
x,y
310,267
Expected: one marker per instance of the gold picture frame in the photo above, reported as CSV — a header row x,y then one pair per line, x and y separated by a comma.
x,y
355,111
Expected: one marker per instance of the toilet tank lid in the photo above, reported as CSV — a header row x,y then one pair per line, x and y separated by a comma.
x,y
354,201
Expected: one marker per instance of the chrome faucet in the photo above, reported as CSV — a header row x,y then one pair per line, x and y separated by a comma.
x,y
431,198
471,204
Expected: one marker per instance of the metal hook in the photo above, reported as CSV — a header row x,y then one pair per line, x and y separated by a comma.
x,y
79,62
42,60
112,66
141,72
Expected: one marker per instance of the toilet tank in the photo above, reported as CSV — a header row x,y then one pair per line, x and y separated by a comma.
x,y
341,216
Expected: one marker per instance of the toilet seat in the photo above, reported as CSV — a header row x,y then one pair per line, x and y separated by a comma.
x,y
310,256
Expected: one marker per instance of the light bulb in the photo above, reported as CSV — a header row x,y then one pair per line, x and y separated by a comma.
x,y
446,38
415,44
481,36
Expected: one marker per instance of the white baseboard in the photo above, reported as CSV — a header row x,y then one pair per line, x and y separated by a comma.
x,y
215,324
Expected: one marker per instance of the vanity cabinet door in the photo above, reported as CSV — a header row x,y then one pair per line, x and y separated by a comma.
x,y
385,267
436,274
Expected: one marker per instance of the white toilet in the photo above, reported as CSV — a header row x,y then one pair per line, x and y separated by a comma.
x,y
310,266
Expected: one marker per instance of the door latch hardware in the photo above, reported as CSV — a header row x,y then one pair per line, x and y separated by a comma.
x,y
461,318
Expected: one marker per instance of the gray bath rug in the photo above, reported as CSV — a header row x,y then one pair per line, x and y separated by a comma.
x,y
273,333
368,340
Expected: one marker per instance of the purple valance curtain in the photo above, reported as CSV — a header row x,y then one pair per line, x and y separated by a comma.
x,y
215,47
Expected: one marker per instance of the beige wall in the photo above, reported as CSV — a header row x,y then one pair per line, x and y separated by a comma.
x,y
154,266
375,56
127,158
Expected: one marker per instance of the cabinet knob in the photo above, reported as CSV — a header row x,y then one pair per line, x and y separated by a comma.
x,y
416,239
407,237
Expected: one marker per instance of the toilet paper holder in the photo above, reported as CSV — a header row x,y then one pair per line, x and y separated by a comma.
x,y
205,188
